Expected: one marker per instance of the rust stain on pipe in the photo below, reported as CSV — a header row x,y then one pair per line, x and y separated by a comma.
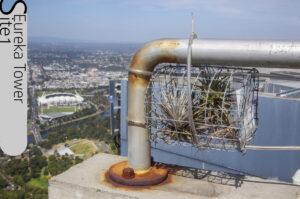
x,y
138,80
144,58
168,44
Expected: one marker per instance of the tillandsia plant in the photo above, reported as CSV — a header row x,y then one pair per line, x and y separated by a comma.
x,y
212,109
172,109
224,106
210,106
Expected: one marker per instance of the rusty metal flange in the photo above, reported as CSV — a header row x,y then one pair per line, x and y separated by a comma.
x,y
121,174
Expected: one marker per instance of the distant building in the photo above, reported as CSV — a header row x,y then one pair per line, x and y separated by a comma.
x,y
60,99
63,150
283,88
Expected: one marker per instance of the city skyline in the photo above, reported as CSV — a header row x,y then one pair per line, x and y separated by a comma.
x,y
141,21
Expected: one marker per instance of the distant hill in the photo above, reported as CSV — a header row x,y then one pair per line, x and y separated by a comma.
x,y
47,39
55,41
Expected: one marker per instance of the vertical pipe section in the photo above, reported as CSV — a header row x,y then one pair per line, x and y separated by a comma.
x,y
140,71
280,54
138,137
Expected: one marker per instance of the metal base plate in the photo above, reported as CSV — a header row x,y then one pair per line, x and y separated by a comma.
x,y
153,176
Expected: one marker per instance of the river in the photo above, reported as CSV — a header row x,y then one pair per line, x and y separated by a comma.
x,y
44,134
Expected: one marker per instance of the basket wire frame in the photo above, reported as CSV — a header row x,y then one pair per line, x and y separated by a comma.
x,y
224,104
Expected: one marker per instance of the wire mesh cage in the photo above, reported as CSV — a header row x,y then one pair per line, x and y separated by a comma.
x,y
224,106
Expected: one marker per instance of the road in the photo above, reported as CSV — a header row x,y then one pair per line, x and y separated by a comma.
x,y
34,116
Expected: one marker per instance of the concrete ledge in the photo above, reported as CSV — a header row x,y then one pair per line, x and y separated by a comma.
x,y
86,180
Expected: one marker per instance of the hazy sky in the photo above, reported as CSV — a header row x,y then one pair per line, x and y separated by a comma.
x,y
144,20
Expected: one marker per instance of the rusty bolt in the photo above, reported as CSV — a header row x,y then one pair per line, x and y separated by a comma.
x,y
128,173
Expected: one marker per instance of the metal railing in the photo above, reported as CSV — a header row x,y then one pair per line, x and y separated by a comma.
x,y
254,53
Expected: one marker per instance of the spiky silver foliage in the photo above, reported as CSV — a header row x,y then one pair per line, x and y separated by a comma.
x,y
219,104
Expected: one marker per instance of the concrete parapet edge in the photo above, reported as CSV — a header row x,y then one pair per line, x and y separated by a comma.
x,y
86,180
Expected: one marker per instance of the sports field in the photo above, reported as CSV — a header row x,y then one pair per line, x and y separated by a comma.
x,y
59,109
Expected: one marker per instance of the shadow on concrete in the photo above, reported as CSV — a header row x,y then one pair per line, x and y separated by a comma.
x,y
217,177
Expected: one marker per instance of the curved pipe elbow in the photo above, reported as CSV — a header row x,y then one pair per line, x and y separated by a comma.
x,y
158,51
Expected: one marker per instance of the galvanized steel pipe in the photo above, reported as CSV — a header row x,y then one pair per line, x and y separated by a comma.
x,y
255,53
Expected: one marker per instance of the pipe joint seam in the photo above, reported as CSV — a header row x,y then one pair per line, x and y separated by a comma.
x,y
135,123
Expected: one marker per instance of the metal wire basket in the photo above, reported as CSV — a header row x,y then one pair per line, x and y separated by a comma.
x,y
224,106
